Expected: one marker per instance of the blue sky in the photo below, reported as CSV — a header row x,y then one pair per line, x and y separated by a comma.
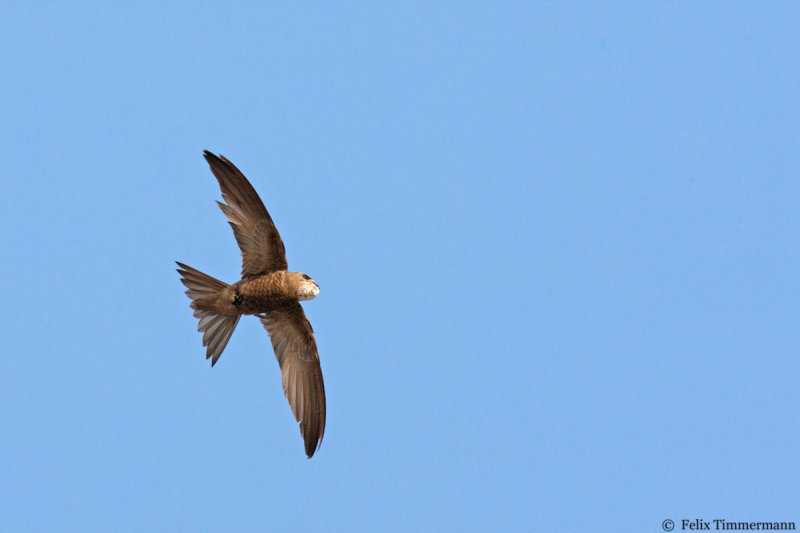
x,y
557,244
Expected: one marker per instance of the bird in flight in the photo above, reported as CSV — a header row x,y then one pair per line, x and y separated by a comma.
x,y
267,290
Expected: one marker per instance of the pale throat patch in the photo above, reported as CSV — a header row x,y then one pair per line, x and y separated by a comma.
x,y
308,291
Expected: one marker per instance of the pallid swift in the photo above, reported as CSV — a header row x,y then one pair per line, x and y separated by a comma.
x,y
267,290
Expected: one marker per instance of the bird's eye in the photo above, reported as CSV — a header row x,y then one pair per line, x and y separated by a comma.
x,y
306,276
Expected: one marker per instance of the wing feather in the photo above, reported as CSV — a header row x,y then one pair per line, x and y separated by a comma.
x,y
301,375
258,238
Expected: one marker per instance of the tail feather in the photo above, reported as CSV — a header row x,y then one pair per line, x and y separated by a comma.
x,y
217,329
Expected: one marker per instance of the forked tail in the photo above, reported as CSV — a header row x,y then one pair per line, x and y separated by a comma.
x,y
217,329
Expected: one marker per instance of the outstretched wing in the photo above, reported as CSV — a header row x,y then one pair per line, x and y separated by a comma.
x,y
258,238
296,349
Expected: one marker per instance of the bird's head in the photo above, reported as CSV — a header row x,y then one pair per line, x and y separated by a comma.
x,y
307,288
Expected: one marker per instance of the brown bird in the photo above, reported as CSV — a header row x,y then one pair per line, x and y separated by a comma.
x,y
267,290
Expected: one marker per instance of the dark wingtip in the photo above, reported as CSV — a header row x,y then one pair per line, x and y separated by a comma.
x,y
311,448
212,158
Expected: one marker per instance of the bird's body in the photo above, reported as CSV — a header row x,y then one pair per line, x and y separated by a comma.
x,y
258,295
267,290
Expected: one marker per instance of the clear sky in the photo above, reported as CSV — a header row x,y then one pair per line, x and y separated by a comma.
x,y
557,244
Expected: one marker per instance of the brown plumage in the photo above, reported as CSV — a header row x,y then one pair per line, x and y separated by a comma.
x,y
267,290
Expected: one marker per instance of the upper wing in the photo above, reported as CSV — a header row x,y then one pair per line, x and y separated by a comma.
x,y
301,376
258,238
